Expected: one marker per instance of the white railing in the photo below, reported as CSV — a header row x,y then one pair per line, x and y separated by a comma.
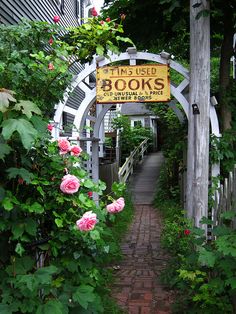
x,y
136,155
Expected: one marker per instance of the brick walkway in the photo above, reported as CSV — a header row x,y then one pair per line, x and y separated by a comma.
x,y
137,288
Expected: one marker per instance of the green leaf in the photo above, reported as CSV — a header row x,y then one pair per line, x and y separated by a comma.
x,y
25,129
40,190
72,266
87,26
99,50
221,230
206,258
231,282
36,208
7,204
27,107
5,98
124,39
88,183
4,150
39,124
59,222
2,193
94,234
52,307
17,230
229,215
29,280
21,172
20,266
45,271
31,226
227,245
19,249
84,295
5,309
206,221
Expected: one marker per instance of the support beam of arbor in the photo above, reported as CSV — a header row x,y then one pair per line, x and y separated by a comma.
x,y
199,94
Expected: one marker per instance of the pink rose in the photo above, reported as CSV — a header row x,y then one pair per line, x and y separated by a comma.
x,y
64,146
56,18
70,184
50,41
108,19
50,66
87,222
50,127
75,150
94,12
117,206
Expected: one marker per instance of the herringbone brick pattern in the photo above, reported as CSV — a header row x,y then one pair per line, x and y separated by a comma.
x,y
137,288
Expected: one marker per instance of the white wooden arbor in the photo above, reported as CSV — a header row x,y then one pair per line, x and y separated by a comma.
x,y
81,115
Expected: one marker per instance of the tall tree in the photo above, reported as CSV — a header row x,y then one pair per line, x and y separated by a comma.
x,y
164,25
228,15
154,24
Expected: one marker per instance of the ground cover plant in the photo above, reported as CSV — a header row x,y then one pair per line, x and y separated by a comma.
x,y
201,271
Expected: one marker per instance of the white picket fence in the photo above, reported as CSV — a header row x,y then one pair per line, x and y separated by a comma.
x,y
136,156
225,198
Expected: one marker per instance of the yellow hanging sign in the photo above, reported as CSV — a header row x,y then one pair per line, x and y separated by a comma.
x,y
134,83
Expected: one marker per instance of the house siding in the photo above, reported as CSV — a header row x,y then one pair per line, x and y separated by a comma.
x,y
12,11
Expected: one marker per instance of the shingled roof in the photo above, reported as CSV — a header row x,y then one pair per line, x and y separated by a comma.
x,y
135,109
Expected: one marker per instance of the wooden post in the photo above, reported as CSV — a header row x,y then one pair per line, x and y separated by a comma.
x,y
198,131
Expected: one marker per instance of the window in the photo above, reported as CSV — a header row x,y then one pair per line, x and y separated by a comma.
x,y
137,123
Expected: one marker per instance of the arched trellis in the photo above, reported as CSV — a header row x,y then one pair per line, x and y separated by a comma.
x,y
82,113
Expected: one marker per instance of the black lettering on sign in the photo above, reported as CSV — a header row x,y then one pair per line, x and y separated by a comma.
x,y
106,85
146,82
159,84
120,84
134,84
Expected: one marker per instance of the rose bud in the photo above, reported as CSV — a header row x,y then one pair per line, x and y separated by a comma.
x,y
50,127
20,181
94,12
90,194
187,232
56,19
50,66
122,16
108,19
50,41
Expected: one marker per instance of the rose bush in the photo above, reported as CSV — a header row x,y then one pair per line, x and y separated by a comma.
x,y
54,236
47,264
